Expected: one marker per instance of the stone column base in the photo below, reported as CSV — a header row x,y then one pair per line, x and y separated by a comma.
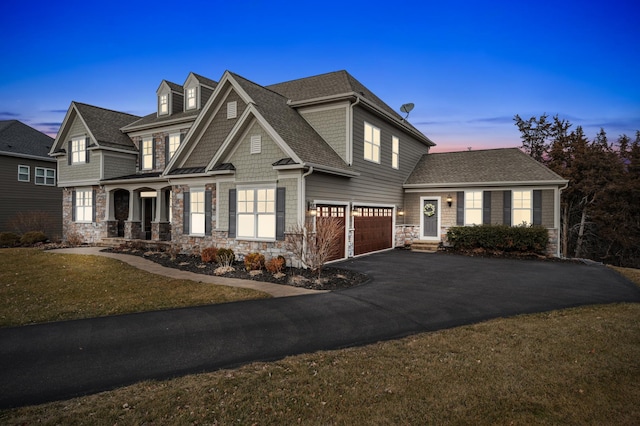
x,y
133,230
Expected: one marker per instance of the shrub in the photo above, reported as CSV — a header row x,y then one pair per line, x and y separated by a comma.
x,y
523,239
209,254
226,257
254,261
74,239
9,239
24,222
275,265
32,237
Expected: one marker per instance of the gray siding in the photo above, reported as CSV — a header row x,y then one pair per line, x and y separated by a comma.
x,y
205,94
547,208
119,165
331,124
256,167
78,172
20,198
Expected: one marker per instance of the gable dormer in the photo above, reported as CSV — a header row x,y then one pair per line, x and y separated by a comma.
x,y
197,91
170,98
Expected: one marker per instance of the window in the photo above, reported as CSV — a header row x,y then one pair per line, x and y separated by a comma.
x,y
257,213
473,208
191,98
395,152
232,109
521,207
84,206
371,143
147,153
164,104
45,176
23,173
197,212
256,144
78,150
174,143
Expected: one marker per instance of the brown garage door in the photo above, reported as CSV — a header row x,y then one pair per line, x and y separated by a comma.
x,y
324,212
372,229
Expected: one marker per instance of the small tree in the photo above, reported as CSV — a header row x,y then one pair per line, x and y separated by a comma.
x,y
315,247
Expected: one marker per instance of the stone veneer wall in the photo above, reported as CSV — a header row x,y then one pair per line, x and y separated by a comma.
x,y
90,233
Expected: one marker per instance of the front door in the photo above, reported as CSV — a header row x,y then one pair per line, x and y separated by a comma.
x,y
430,218
147,215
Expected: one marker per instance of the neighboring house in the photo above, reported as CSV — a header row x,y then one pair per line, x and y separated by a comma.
x,y
235,164
30,197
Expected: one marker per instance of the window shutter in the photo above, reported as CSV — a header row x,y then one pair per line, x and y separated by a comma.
x,y
280,213
73,205
460,209
69,155
140,155
181,137
93,205
486,207
186,211
232,213
153,153
506,208
166,150
86,148
207,212
537,207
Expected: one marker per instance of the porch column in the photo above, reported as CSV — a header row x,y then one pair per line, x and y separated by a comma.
x,y
109,208
134,206
160,215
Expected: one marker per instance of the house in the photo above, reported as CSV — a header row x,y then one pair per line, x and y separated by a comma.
x,y
236,164
30,199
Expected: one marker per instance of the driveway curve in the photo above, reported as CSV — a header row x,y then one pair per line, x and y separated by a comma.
x,y
407,293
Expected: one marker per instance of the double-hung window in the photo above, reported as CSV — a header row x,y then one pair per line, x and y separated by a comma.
x,y
522,208
23,173
191,98
163,102
84,205
197,212
371,143
395,152
174,143
256,213
147,153
473,208
78,150
45,176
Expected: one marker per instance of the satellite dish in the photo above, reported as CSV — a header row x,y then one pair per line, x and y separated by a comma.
x,y
406,108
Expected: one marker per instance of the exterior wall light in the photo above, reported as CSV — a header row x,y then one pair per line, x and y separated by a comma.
x,y
449,200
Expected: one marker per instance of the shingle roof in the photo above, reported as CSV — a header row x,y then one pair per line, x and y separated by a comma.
x,y
206,81
105,124
174,86
289,124
18,138
153,119
492,165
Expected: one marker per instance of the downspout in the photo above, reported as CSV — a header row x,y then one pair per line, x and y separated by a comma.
x,y
350,149
303,195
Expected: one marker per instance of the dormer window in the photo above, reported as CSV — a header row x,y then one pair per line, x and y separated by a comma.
x,y
191,98
163,108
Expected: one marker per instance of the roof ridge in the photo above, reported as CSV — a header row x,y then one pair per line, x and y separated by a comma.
x,y
343,71
473,150
104,109
258,85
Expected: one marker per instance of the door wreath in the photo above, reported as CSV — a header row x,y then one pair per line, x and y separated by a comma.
x,y
429,209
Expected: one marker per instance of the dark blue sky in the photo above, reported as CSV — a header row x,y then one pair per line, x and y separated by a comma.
x,y
468,66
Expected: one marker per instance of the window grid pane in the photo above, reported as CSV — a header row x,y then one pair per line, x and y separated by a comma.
x,y
473,208
371,143
174,143
78,151
23,173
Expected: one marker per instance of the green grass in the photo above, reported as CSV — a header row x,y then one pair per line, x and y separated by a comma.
x,y
39,286
577,366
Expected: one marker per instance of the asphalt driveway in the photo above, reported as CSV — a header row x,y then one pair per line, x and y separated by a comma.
x,y
408,293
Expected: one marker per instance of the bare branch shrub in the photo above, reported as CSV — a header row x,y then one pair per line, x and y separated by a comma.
x,y
74,239
314,248
24,222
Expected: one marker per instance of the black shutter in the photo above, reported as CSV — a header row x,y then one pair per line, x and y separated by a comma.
x,y
506,208
69,154
86,148
181,137
153,153
73,205
537,207
232,213
207,212
186,211
166,151
486,207
460,209
93,205
140,147
280,211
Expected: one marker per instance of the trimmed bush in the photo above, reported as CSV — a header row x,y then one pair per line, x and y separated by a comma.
x,y
209,255
523,239
33,237
275,265
254,261
9,239
226,257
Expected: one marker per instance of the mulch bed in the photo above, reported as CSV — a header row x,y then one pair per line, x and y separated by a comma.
x,y
331,278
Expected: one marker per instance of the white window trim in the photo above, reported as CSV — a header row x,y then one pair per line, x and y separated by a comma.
x,y
515,209
44,176
374,156
187,98
28,173
161,104
79,150
144,155
199,215
87,206
467,208
395,152
256,215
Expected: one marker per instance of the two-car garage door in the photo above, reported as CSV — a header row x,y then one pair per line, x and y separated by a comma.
x,y
373,228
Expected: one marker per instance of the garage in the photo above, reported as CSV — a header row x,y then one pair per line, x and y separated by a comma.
x,y
373,229
326,211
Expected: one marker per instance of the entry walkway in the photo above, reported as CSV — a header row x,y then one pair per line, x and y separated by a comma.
x,y
408,293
